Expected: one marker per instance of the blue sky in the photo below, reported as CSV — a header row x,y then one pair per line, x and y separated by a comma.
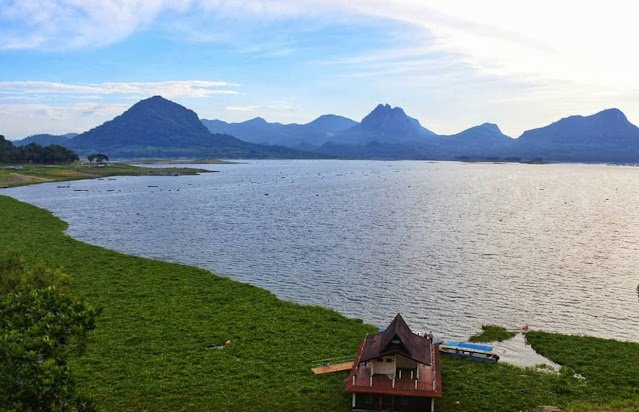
x,y
69,65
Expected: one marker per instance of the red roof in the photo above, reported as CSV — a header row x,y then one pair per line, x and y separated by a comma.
x,y
397,339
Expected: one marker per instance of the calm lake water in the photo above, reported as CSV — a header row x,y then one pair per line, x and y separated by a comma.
x,y
449,245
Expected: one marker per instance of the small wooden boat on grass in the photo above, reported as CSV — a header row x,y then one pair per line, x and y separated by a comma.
x,y
473,351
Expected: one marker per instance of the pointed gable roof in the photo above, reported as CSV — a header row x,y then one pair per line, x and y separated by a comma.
x,y
397,339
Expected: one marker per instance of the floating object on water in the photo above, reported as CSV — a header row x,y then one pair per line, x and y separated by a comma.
x,y
472,351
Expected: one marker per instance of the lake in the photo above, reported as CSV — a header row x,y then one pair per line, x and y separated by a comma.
x,y
449,245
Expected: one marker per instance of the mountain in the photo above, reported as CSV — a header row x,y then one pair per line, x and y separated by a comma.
x,y
606,136
292,135
331,123
157,127
46,139
483,140
385,124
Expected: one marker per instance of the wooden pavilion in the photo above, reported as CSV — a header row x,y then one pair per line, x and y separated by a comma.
x,y
395,370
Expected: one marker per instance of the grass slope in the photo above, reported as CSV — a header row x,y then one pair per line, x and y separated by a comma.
x,y
152,345
609,367
31,174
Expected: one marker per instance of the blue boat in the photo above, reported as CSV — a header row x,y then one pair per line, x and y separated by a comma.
x,y
465,350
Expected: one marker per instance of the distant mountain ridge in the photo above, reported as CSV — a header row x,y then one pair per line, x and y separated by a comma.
x,y
46,139
388,133
293,135
606,136
157,127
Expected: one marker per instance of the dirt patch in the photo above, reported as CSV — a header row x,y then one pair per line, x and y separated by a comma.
x,y
15,179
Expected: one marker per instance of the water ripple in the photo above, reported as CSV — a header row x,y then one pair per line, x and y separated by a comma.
x,y
450,245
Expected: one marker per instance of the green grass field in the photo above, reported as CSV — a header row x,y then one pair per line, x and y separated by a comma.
x,y
30,174
153,348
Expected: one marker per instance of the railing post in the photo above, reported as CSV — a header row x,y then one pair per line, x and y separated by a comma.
x,y
371,381
415,384
393,383
353,380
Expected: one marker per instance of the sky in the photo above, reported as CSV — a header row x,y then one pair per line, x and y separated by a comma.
x,y
69,65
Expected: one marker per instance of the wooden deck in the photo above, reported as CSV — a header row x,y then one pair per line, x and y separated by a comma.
x,y
336,367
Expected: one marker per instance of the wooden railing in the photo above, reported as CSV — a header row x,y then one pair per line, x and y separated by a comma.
x,y
384,382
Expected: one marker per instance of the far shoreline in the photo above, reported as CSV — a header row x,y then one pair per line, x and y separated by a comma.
x,y
179,161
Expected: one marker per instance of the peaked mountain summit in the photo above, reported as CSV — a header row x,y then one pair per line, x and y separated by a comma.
x,y
385,124
387,119
155,121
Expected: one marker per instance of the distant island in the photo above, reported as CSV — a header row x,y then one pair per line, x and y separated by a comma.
x,y
159,128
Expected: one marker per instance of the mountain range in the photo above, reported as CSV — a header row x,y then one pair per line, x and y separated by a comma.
x,y
46,139
389,133
157,127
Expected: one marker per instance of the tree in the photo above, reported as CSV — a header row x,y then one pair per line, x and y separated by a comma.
x,y
34,153
41,324
99,158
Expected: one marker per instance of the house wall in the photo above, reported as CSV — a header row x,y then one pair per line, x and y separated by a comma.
x,y
403,362
371,402
384,366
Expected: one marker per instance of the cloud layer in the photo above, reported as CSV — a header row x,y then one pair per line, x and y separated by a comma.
x,y
172,89
545,39
558,57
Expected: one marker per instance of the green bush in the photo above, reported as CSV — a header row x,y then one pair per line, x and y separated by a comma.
x,y
40,325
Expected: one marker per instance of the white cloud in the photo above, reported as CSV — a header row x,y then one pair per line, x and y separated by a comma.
x,y
68,24
560,53
169,89
21,120
544,40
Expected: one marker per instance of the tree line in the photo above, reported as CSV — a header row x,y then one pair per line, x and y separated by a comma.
x,y
34,153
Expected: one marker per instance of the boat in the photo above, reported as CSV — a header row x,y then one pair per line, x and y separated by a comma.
x,y
465,350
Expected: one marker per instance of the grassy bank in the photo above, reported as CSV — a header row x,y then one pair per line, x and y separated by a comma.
x,y
153,347
492,333
29,174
